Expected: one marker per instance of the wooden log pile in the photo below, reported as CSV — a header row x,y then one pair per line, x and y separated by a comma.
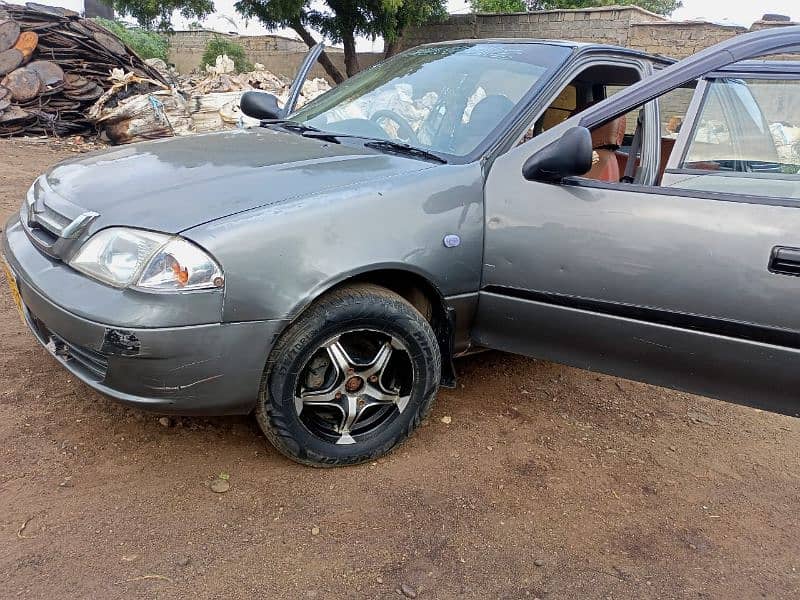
x,y
53,66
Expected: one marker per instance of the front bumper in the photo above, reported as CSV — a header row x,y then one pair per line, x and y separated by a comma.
x,y
203,369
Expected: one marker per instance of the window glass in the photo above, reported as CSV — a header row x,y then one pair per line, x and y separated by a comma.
x,y
447,98
589,87
631,118
672,108
747,126
561,109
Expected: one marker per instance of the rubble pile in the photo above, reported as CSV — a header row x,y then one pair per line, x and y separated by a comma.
x,y
215,95
64,75
198,103
123,117
54,65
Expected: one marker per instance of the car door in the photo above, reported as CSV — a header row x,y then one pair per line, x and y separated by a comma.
x,y
668,284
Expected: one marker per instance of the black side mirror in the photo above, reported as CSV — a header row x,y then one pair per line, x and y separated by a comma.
x,y
570,155
260,105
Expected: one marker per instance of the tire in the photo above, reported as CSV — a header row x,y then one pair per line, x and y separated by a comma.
x,y
329,348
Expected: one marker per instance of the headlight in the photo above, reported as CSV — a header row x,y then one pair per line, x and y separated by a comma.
x,y
148,261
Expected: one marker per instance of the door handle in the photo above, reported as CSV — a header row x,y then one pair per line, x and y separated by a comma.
x,y
785,261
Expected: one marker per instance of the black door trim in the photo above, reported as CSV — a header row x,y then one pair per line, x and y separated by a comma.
x,y
734,329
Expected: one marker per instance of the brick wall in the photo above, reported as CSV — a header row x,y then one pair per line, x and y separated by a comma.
x,y
279,54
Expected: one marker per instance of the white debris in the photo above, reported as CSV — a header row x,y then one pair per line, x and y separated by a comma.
x,y
201,104
221,66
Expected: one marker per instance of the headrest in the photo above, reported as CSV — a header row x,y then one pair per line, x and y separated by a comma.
x,y
610,134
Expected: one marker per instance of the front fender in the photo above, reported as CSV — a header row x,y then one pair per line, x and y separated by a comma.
x,y
279,258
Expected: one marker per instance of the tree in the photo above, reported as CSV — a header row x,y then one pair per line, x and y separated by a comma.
x,y
661,7
218,45
340,21
407,13
157,14
497,6
294,14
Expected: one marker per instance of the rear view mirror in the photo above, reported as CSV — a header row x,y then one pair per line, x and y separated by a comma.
x,y
569,156
260,105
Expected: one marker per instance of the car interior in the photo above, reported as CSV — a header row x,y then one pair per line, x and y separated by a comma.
x,y
615,141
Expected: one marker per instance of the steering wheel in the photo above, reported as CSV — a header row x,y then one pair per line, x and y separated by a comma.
x,y
404,131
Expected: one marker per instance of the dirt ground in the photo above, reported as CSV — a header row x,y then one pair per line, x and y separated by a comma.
x,y
548,482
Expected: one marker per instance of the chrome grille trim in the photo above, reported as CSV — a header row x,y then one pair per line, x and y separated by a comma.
x,y
48,218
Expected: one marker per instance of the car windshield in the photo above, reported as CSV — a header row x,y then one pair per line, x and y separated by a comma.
x,y
443,98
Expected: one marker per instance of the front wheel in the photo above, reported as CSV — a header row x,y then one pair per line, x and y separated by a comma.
x,y
350,379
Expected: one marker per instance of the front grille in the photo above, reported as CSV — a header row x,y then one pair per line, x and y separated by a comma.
x,y
94,364
52,222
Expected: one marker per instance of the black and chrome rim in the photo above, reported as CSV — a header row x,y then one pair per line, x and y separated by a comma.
x,y
354,385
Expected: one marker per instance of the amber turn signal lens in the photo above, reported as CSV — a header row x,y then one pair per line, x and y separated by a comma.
x,y
182,275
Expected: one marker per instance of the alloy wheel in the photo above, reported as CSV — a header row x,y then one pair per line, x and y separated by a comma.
x,y
355,384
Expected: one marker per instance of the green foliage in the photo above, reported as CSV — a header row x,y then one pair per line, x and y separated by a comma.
x,y
497,6
157,14
218,45
396,15
341,22
661,7
147,44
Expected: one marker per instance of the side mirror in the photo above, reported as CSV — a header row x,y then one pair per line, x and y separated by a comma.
x,y
570,155
260,105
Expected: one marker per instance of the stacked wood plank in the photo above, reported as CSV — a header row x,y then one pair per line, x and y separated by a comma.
x,y
53,66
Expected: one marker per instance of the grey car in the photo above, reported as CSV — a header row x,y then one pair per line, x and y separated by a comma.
x,y
586,204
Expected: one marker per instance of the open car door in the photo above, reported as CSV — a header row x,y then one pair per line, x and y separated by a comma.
x,y
300,78
667,285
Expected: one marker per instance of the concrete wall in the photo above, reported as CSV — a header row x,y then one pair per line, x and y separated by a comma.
x,y
608,25
279,54
628,26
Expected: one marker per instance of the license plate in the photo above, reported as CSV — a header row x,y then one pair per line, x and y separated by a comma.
x,y
12,283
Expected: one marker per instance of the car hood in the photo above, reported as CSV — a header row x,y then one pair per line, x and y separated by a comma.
x,y
175,184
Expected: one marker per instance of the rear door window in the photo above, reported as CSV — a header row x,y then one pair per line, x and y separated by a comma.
x,y
747,126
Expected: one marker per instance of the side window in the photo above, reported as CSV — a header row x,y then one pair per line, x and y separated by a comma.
x,y
631,118
561,108
672,108
590,86
747,126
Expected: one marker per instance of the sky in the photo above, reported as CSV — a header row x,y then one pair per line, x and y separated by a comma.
x,y
726,11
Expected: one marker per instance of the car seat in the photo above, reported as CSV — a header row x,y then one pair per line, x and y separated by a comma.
x,y
606,140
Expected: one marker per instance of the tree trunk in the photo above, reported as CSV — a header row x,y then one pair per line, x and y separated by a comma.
x,y
324,59
392,48
350,55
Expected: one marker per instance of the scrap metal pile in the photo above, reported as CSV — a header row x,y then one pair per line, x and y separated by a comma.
x,y
54,65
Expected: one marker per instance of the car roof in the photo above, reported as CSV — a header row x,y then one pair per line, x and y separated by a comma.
x,y
578,47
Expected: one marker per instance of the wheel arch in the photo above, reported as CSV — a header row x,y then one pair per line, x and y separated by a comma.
x,y
410,284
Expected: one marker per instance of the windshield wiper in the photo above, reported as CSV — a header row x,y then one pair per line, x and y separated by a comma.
x,y
405,149
378,144
304,130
